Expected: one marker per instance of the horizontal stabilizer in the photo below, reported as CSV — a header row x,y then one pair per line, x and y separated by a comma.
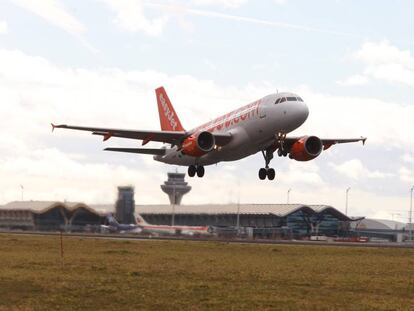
x,y
138,150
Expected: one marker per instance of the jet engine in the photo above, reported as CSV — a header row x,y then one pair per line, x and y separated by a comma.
x,y
306,148
198,145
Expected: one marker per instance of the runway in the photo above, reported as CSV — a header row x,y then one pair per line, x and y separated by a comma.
x,y
129,237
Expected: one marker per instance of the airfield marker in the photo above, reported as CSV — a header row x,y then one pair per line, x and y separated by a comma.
x,y
61,248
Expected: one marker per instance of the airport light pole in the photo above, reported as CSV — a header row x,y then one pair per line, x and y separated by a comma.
x,y
346,200
22,189
238,210
288,195
411,212
238,217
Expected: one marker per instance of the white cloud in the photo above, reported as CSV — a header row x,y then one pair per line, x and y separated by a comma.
x,y
130,17
304,173
29,84
223,3
3,28
40,92
280,2
377,53
51,174
182,10
55,13
351,116
408,158
384,61
406,174
63,164
354,169
354,80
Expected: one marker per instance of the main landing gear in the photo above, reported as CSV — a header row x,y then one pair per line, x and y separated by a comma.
x,y
193,170
266,171
282,151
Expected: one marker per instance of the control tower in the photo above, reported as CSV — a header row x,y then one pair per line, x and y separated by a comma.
x,y
125,205
175,187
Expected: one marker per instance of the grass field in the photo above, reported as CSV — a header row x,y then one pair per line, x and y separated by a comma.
x,y
179,275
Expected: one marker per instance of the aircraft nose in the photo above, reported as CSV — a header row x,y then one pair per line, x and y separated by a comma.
x,y
302,112
305,111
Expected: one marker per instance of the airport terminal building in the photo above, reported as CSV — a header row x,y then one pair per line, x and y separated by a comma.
x,y
49,216
267,220
260,220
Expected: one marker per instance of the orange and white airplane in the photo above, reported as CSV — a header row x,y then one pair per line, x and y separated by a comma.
x,y
260,126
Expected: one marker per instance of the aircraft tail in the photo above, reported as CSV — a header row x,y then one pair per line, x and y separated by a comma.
x,y
112,221
141,221
168,117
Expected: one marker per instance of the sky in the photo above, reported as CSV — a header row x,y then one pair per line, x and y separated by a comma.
x,y
97,63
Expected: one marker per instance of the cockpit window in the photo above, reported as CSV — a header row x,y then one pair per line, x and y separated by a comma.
x,y
300,99
291,99
278,101
283,99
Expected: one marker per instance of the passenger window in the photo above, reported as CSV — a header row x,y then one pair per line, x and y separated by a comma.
x,y
277,101
282,99
291,99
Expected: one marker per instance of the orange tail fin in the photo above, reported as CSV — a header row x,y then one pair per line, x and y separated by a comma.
x,y
168,117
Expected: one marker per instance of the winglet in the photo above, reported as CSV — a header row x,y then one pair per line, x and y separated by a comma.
x,y
364,139
106,136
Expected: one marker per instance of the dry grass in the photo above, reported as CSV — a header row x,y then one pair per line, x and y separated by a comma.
x,y
164,275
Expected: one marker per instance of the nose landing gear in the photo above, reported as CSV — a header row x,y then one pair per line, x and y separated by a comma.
x,y
193,170
281,150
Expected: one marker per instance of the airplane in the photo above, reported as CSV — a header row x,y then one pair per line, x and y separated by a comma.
x,y
174,230
261,126
145,228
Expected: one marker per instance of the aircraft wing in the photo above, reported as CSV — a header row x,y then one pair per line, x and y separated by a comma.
x,y
138,150
328,142
146,136
170,137
333,141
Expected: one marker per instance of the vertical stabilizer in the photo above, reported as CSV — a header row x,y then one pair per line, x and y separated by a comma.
x,y
141,221
168,117
112,221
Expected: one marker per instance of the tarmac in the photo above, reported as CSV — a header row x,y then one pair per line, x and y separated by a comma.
x,y
213,239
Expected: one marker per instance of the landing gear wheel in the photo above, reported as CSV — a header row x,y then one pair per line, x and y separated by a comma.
x,y
271,174
200,171
268,156
262,174
282,152
192,171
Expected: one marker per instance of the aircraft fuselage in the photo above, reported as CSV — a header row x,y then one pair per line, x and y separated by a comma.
x,y
253,128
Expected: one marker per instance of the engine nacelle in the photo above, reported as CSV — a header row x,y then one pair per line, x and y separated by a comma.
x,y
306,148
198,145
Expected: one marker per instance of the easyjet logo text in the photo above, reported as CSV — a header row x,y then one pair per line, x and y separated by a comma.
x,y
167,112
231,119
